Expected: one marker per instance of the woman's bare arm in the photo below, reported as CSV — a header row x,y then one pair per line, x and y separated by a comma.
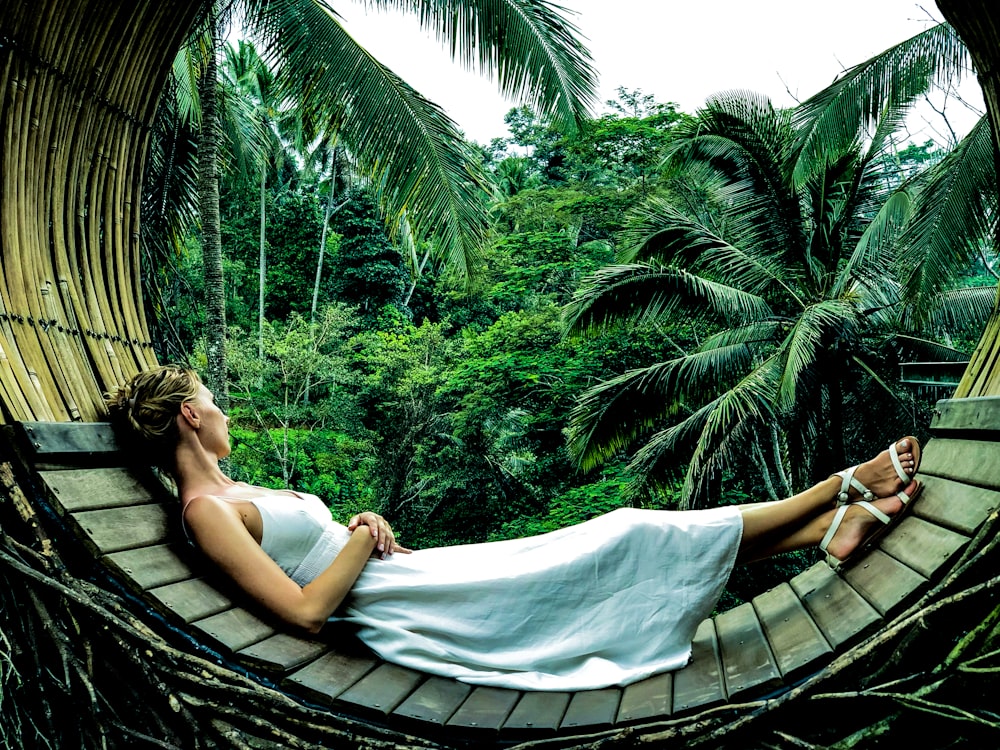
x,y
221,534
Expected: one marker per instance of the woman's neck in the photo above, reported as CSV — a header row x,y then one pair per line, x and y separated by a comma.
x,y
198,473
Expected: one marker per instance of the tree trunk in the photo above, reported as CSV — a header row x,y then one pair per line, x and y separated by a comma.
x,y
208,200
977,24
263,269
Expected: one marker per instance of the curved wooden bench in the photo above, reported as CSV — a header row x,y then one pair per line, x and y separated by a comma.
x,y
127,521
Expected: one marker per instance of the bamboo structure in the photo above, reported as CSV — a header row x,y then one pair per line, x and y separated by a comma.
x,y
81,86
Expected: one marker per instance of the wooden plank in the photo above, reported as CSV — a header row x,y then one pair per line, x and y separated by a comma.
x,y
149,567
647,699
435,701
700,684
190,600
330,675
116,529
970,461
82,439
592,709
282,652
537,712
840,612
971,416
884,582
795,640
955,505
923,546
486,708
89,489
234,629
748,664
382,689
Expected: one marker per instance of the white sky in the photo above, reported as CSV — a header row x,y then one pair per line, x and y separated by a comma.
x,y
678,51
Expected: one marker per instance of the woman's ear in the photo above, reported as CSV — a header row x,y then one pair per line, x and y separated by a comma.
x,y
189,413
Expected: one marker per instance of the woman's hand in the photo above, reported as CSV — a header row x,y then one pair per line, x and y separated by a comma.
x,y
385,538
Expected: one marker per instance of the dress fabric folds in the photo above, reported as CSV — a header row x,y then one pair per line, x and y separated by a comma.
x,y
606,602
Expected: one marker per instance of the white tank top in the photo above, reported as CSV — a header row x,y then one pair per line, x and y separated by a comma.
x,y
299,534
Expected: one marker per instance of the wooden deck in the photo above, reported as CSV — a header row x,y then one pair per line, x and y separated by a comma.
x,y
128,522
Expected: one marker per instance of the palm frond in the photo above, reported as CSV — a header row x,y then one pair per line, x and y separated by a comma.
x,y
611,415
829,122
877,240
804,347
719,430
531,48
644,293
409,149
955,211
658,231
932,351
746,138
956,309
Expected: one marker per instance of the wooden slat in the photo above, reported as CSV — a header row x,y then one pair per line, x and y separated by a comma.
x,y
435,701
884,582
700,684
955,505
49,439
652,697
979,415
190,600
382,689
149,567
89,489
969,461
747,662
486,708
282,652
840,612
537,712
923,546
796,641
330,675
592,709
116,529
234,629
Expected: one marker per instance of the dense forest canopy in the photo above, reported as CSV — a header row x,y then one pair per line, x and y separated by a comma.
x,y
672,309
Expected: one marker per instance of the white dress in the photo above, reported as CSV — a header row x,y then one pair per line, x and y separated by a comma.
x,y
607,602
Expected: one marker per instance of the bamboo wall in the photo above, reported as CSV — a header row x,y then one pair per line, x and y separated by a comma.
x,y
80,88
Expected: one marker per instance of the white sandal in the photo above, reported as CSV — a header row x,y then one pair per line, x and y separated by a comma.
x,y
874,536
838,518
849,482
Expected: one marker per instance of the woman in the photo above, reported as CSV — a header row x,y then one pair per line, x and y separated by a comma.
x,y
607,602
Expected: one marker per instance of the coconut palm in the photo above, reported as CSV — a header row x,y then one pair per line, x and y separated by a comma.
x,y
797,269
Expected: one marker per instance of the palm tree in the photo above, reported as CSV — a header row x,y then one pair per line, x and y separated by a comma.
x,y
403,144
793,262
258,147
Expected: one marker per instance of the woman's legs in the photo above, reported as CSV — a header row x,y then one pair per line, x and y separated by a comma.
x,y
803,519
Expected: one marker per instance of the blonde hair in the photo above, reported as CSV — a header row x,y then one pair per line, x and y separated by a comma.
x,y
147,407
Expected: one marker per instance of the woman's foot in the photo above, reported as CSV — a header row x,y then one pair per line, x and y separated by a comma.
x,y
881,476
857,523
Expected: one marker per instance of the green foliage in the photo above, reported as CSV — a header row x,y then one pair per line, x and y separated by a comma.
x,y
802,280
365,269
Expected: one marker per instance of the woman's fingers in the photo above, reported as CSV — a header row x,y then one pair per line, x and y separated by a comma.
x,y
381,530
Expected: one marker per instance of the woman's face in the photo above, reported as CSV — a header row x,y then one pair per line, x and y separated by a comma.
x,y
213,428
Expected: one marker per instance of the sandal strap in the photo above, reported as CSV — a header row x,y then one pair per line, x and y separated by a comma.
x,y
886,519
834,527
847,483
838,518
